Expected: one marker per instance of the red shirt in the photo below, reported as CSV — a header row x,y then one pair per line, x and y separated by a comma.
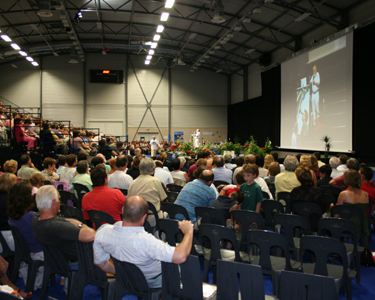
x,y
104,199
370,190
230,191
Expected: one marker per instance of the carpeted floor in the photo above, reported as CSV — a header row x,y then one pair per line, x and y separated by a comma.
x,y
365,290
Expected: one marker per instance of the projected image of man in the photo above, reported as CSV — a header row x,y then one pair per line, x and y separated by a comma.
x,y
315,84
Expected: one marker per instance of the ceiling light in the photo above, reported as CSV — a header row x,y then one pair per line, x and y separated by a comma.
x,y
23,53
198,64
237,28
218,16
149,57
147,62
99,25
226,39
246,20
180,62
207,57
229,35
154,45
268,1
6,38
44,8
219,70
223,42
14,66
34,63
55,53
202,60
29,58
160,28
151,51
156,37
169,3
250,51
217,47
15,46
192,36
302,17
211,52
104,52
257,11
194,68
164,16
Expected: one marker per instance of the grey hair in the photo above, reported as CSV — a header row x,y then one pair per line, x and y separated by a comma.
x,y
101,155
290,163
147,166
227,158
182,160
44,197
334,162
352,164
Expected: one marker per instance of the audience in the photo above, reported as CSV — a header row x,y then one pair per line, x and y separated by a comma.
x,y
338,182
61,160
287,180
367,183
112,164
119,179
134,170
83,175
49,172
228,161
69,172
334,162
27,168
36,181
325,175
221,173
252,191
177,164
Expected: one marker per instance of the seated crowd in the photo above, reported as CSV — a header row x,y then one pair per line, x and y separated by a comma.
x,y
123,188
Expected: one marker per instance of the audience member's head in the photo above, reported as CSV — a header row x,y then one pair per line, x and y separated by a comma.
x,y
36,180
334,162
25,159
298,156
163,156
98,177
61,160
138,151
45,196
304,176
343,158
158,164
82,167
71,160
130,159
10,166
201,162
290,163
352,164
274,168
366,173
314,162
49,163
275,156
249,159
251,169
97,160
227,158
81,156
7,180
207,176
325,171
19,200
218,162
352,179
239,178
136,161
237,196
112,163
147,166
135,208
239,161
121,161
305,161
317,155
182,161
176,164
268,160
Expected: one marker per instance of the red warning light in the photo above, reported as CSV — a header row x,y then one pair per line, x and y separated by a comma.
x,y
106,71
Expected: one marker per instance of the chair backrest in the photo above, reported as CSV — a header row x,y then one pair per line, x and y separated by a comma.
x,y
98,217
47,182
286,197
234,278
215,234
220,182
125,192
210,215
66,196
339,229
293,225
349,212
71,212
81,190
20,246
171,230
86,266
131,278
247,218
270,208
147,225
171,196
330,194
310,211
182,281
174,209
57,185
265,241
174,187
272,188
56,260
300,286
265,195
323,248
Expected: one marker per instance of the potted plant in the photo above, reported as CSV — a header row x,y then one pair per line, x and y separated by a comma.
x,y
327,145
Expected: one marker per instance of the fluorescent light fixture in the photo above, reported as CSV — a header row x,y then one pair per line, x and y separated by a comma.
x,y
29,58
198,64
14,66
55,53
15,46
6,38
23,53
246,20
151,51
147,62
191,70
169,3
217,47
154,45
226,39
202,60
229,35
34,63
148,57
99,25
104,52
302,17
194,68
160,28
250,51
164,16
207,57
211,52
156,37
257,11
219,70
192,36
268,1
237,28
223,41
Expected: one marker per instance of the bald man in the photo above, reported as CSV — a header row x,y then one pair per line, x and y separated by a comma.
x,y
128,241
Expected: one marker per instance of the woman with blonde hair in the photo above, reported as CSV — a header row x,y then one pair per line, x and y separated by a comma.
x,y
268,160
314,165
10,166
305,160
37,181
112,164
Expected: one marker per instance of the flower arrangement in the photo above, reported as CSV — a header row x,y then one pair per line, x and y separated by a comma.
x,y
327,145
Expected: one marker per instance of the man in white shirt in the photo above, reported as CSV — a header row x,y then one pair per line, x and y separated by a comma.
x,y
164,176
120,179
342,167
334,162
154,146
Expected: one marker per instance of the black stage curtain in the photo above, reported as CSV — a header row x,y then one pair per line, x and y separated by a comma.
x,y
259,117
363,93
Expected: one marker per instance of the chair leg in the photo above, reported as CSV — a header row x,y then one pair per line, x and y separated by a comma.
x,y
357,267
206,266
46,276
32,270
81,286
348,288
15,270
72,285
